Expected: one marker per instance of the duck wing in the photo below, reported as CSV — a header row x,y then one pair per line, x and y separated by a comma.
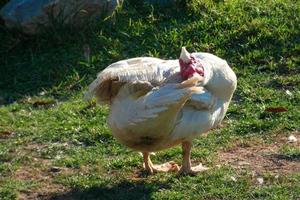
x,y
202,100
112,78
141,120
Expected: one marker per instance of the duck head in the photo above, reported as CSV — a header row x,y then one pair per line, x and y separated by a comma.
x,y
218,77
189,65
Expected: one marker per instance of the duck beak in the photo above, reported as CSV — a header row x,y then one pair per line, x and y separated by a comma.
x,y
185,55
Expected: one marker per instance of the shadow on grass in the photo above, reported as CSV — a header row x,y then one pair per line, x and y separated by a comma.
x,y
122,190
56,60
289,157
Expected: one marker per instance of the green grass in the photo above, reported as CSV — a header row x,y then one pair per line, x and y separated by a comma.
x,y
44,121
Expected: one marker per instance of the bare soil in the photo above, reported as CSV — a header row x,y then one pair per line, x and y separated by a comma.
x,y
261,157
40,171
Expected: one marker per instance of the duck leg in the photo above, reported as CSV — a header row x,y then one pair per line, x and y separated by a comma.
x,y
187,168
166,167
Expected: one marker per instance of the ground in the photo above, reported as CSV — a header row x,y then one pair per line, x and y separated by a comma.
x,y
54,145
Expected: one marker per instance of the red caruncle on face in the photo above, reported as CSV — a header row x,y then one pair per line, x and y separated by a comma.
x,y
194,66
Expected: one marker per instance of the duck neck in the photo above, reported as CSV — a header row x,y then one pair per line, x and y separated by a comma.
x,y
220,81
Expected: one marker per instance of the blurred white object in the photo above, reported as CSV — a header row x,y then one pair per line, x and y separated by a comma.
x,y
233,178
289,93
260,180
292,139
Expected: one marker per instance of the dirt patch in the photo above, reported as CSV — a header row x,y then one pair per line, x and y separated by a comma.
x,y
44,179
40,172
261,157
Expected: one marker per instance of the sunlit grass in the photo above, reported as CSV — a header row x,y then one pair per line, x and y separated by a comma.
x,y
44,121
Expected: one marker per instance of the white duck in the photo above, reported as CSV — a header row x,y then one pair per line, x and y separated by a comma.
x,y
156,104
